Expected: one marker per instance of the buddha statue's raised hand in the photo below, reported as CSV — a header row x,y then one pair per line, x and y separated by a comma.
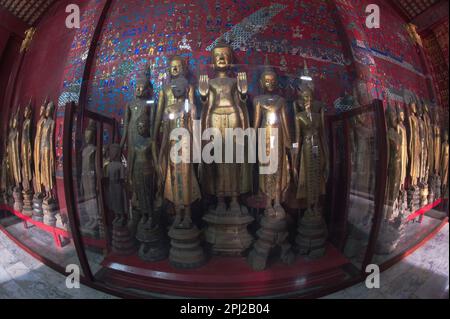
x,y
242,84
203,86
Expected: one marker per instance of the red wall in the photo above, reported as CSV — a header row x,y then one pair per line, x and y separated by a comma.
x,y
42,69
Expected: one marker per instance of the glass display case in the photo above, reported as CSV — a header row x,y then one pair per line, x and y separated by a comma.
x,y
223,164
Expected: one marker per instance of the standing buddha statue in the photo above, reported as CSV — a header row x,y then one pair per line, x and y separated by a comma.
x,y
27,161
414,152
38,196
149,231
313,172
14,161
423,176
391,227
444,165
132,139
436,176
88,186
181,187
224,107
47,165
270,115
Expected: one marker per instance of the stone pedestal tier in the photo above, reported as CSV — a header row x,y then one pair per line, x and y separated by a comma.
x,y
227,231
186,250
38,213
273,233
413,199
154,246
312,234
122,242
18,199
50,209
27,209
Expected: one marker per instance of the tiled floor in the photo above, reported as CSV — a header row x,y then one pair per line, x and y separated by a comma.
x,y
424,274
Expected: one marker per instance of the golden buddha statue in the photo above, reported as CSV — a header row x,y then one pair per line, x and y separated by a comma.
x,y
436,143
312,161
27,161
181,187
37,150
47,165
401,129
180,182
224,107
444,165
177,69
429,140
394,162
423,176
414,155
14,150
47,151
14,161
270,115
38,196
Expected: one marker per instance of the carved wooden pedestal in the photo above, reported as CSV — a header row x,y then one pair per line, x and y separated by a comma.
x,y
413,199
154,246
273,233
312,234
38,213
122,242
227,231
27,209
18,199
50,209
186,250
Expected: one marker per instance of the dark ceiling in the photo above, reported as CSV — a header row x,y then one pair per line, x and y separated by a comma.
x,y
29,11
413,8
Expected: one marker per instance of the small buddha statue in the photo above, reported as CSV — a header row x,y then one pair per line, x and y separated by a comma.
x,y
312,163
444,165
270,115
38,190
181,187
88,185
27,161
14,161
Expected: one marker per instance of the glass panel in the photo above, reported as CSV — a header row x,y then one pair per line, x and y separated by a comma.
x,y
362,184
32,209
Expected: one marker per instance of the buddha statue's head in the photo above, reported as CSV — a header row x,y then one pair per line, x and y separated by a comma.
x,y
269,81
305,94
90,132
176,67
413,107
27,111
222,56
114,152
400,112
50,110
15,119
143,87
392,116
